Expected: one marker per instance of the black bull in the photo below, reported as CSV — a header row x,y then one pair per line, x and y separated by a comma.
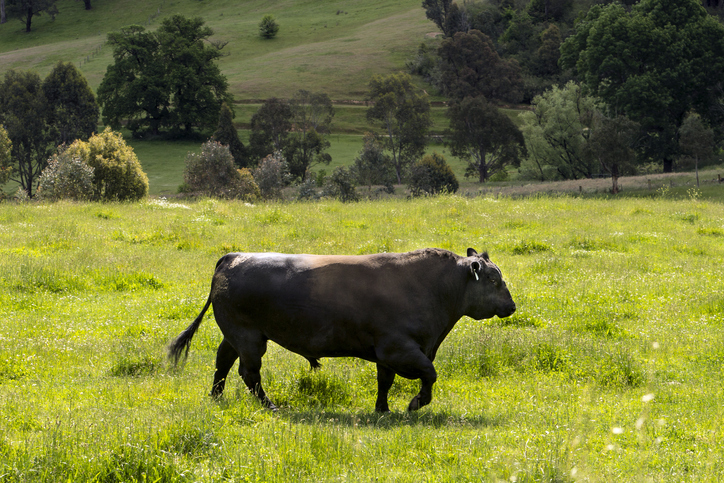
x,y
393,309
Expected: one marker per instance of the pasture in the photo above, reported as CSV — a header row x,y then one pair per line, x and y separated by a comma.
x,y
610,370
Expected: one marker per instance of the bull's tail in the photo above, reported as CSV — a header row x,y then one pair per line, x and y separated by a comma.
x,y
181,344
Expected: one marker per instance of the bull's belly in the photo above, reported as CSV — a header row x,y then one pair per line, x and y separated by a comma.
x,y
326,345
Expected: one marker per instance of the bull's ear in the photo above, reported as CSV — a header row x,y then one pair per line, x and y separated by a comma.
x,y
474,268
485,256
472,252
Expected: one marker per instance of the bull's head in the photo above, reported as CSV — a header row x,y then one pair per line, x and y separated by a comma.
x,y
486,293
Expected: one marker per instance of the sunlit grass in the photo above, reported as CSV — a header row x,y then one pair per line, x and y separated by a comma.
x,y
610,370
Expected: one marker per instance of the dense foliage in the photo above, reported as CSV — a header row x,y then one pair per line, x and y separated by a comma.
x,y
268,27
484,137
72,108
117,174
213,173
654,64
431,175
66,177
227,135
164,80
23,113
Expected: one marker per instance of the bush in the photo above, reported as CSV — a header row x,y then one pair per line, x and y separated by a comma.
x,y
117,173
66,177
432,175
308,189
6,167
272,175
340,185
213,173
268,27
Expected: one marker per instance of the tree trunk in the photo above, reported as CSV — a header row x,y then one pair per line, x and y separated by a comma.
x,y
668,165
614,179
30,16
87,4
696,164
3,19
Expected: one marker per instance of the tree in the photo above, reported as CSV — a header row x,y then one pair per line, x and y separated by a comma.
x,y
73,111
133,90
403,112
196,86
268,27
470,67
307,143
432,175
227,135
117,173
372,166
557,130
438,11
166,79
611,142
696,141
270,126
3,17
87,4
484,137
25,10
23,113
653,64
549,51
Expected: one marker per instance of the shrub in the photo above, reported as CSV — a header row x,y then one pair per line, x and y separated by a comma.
x,y
432,175
272,175
340,185
66,177
5,156
213,173
268,27
117,173
307,189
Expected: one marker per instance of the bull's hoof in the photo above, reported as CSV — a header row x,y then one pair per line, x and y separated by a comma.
x,y
414,404
382,410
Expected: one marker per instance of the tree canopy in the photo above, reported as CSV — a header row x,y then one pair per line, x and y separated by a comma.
x,y
484,137
72,108
166,79
653,63
470,66
23,112
403,113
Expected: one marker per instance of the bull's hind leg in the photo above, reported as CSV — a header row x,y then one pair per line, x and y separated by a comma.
x,y
225,357
385,378
251,349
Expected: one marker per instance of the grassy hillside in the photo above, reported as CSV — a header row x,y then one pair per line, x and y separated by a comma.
x,y
330,46
610,370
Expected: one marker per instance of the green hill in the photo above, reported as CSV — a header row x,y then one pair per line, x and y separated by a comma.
x,y
330,46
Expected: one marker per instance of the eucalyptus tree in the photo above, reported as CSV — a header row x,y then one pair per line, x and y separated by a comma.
x,y
402,112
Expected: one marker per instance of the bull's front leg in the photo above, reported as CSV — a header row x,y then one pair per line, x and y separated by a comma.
x,y
410,362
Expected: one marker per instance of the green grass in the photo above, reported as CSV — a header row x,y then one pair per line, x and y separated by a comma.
x,y
609,371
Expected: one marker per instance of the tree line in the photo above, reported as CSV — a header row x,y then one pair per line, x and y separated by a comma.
x,y
638,78
651,93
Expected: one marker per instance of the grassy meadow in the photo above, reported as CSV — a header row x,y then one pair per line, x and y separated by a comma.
x,y
609,371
